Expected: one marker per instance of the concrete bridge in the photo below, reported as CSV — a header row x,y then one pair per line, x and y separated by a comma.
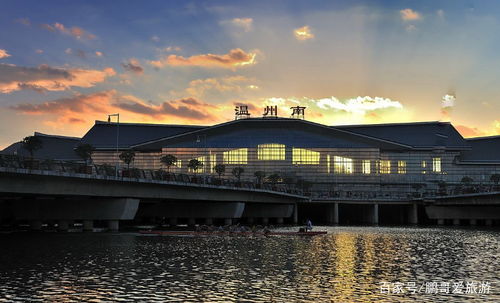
x,y
40,196
465,208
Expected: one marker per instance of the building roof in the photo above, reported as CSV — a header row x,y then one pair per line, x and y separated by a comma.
x,y
53,147
419,135
484,149
254,131
103,134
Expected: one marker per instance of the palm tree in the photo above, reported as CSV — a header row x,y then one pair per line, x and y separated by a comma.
x,y
220,169
274,178
237,171
194,165
127,156
84,151
32,144
168,160
495,178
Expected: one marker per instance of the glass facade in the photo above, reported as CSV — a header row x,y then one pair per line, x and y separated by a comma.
x,y
305,156
271,151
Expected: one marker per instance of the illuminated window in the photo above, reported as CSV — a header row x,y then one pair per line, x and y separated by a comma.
x,y
342,165
424,167
304,156
235,156
272,151
178,163
213,162
385,166
436,165
328,164
401,167
366,169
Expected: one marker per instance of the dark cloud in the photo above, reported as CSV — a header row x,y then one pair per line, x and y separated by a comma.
x,y
133,66
183,108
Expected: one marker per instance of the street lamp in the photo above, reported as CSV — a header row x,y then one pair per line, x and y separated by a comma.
x,y
117,138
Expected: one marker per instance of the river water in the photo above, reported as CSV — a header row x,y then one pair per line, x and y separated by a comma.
x,y
350,264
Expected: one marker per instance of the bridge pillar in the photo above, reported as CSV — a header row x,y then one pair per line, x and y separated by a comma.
x,y
295,213
63,225
456,222
228,221
374,220
113,225
191,221
413,214
279,220
473,222
36,225
209,221
440,221
333,214
88,225
488,222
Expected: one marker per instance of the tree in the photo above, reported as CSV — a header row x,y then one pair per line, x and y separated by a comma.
x,y
467,180
237,172
127,156
85,151
274,178
194,165
442,188
32,144
220,169
168,160
495,178
260,175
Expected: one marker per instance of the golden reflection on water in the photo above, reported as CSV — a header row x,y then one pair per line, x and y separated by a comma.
x,y
346,265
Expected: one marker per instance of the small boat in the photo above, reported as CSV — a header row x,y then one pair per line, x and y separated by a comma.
x,y
230,233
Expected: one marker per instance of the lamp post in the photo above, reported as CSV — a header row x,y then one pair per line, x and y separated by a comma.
x,y
117,138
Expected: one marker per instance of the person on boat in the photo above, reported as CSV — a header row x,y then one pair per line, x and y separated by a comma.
x,y
309,225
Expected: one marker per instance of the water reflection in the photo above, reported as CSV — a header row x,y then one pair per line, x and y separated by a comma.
x,y
344,266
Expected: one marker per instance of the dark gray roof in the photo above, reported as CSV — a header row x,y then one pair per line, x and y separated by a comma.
x,y
254,131
103,134
53,147
484,149
417,134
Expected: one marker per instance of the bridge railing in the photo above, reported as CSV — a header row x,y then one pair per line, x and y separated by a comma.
x,y
109,171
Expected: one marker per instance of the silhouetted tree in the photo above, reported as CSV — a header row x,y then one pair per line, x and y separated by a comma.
x,y
32,144
220,169
274,178
84,151
127,156
237,172
194,165
168,160
260,175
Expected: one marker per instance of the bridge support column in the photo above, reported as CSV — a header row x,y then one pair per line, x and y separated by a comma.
x,y
228,221
63,225
209,221
440,221
333,214
413,214
265,220
113,225
88,225
172,221
473,222
374,220
488,222
36,225
456,222
191,221
279,220
295,213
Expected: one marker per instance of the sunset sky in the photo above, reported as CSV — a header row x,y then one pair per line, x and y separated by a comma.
x,y
64,64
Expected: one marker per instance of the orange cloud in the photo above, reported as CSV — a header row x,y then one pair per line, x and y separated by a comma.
x,y
244,23
226,84
408,14
14,78
3,54
303,33
235,58
76,32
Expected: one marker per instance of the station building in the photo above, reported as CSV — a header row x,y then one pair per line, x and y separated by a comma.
x,y
364,161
